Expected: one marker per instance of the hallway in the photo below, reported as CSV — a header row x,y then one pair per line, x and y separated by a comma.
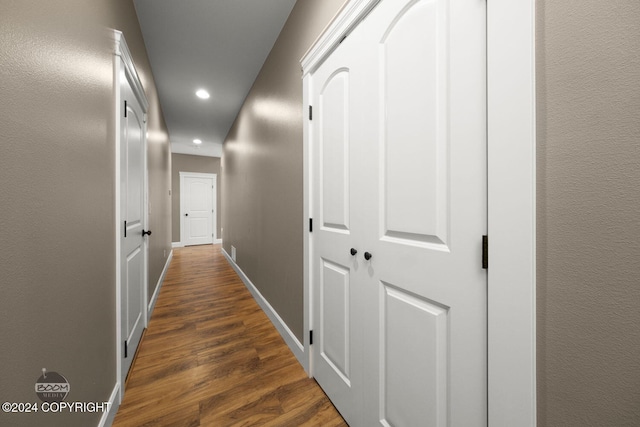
x,y
211,357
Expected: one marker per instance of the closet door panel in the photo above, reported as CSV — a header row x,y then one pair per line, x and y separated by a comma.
x,y
414,140
334,152
430,215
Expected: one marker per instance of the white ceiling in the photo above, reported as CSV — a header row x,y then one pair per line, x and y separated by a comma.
x,y
218,45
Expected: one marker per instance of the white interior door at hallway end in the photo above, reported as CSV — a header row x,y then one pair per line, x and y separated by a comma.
x,y
134,248
399,196
198,210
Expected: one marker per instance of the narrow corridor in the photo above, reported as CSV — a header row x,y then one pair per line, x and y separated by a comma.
x,y
211,357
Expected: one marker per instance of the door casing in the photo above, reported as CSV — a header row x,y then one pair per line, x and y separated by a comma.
x,y
125,68
511,146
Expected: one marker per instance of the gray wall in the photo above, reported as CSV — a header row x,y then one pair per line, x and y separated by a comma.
x,y
588,79
262,168
189,163
57,257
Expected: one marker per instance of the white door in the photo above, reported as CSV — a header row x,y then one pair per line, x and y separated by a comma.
x,y
134,249
198,210
415,158
340,224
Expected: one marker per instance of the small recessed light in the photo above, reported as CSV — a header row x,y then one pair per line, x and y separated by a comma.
x,y
197,141
203,94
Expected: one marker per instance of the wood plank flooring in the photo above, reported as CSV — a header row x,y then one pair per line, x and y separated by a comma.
x,y
211,357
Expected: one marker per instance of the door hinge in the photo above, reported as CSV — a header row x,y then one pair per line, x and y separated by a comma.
x,y
125,229
125,349
310,225
310,112
125,108
485,252
310,337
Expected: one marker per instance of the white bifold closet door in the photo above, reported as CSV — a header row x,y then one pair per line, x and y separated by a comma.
x,y
399,198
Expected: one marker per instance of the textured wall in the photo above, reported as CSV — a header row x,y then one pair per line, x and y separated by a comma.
x,y
262,168
188,163
588,79
57,163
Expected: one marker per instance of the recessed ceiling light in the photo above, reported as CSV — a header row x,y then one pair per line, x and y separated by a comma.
x,y
197,141
203,94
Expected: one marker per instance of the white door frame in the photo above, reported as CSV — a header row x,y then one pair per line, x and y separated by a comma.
x,y
123,68
511,146
214,204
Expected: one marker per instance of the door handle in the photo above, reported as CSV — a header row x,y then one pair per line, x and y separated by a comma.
x,y
353,251
148,233
186,214
367,256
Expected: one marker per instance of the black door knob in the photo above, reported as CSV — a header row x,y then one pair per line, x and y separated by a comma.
x,y
353,251
147,233
367,256
186,214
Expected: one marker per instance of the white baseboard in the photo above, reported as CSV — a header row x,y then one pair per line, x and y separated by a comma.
x,y
114,403
296,347
181,245
154,298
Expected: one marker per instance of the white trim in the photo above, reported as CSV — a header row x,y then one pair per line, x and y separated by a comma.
x,y
198,174
296,347
511,200
122,51
154,297
177,245
307,295
106,420
123,66
217,241
512,213
118,216
214,204
341,25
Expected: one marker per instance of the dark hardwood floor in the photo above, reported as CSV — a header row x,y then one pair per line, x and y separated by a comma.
x,y
211,357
